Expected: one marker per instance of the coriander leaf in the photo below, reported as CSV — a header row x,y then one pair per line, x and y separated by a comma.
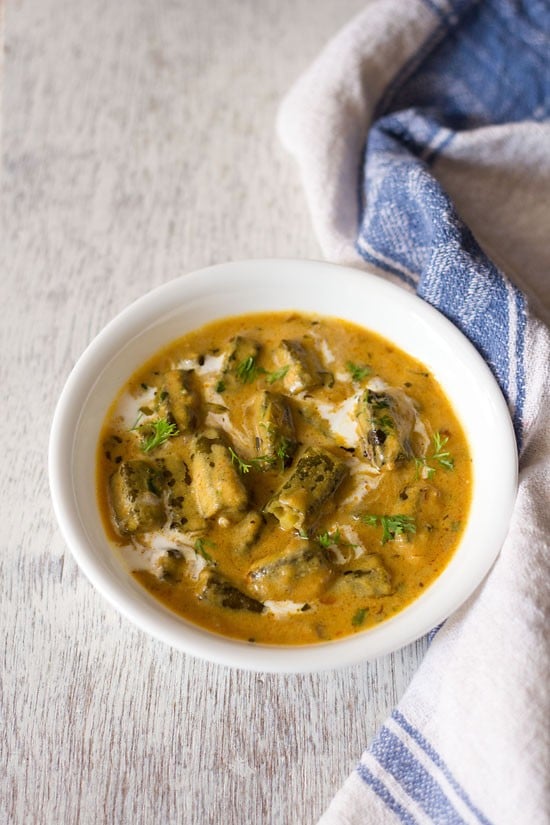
x,y
392,526
261,462
277,375
242,466
248,370
199,546
423,469
369,519
160,431
357,372
328,540
325,540
282,452
442,456
359,616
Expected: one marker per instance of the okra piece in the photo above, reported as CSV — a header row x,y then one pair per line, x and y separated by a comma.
x,y
135,492
240,362
298,503
299,573
217,488
180,399
182,511
304,370
385,421
274,427
369,579
245,533
219,591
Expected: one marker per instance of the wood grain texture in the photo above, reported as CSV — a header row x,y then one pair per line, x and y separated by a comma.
x,y
139,143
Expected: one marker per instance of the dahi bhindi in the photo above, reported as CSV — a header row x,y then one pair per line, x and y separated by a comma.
x,y
283,478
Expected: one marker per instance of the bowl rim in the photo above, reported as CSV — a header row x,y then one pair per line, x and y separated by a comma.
x,y
181,634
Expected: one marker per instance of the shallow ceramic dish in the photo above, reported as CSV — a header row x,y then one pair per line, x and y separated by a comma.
x,y
249,286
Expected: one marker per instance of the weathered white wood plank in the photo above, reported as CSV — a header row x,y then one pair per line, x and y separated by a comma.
x,y
139,142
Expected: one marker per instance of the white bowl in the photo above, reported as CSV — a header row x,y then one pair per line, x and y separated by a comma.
x,y
188,302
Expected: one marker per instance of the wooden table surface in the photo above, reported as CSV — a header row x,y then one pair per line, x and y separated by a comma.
x,y
139,143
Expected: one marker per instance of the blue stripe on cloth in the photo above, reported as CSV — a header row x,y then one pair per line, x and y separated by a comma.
x,y
414,226
521,310
380,789
396,759
387,267
461,77
430,751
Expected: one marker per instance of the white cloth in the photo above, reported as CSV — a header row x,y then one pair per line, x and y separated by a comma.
x,y
458,135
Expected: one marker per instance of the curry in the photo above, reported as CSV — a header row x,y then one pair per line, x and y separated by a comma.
x,y
283,478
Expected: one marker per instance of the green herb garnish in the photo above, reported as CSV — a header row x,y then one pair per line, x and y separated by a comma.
x,y
357,372
440,454
247,371
220,387
277,375
392,526
359,616
161,430
423,467
261,462
199,548
242,466
328,540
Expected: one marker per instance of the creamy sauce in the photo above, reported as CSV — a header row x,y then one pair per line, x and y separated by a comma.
x,y
253,558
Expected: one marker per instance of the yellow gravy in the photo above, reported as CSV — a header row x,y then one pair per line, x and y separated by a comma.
x,y
283,478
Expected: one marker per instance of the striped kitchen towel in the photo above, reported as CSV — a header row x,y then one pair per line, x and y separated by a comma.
x,y
422,136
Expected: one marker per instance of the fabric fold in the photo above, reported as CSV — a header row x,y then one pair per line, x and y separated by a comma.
x,y
422,138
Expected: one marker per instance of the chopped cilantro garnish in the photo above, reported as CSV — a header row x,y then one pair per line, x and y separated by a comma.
x,y
262,462
328,540
392,526
359,616
277,374
157,433
247,371
357,371
242,466
199,548
440,455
